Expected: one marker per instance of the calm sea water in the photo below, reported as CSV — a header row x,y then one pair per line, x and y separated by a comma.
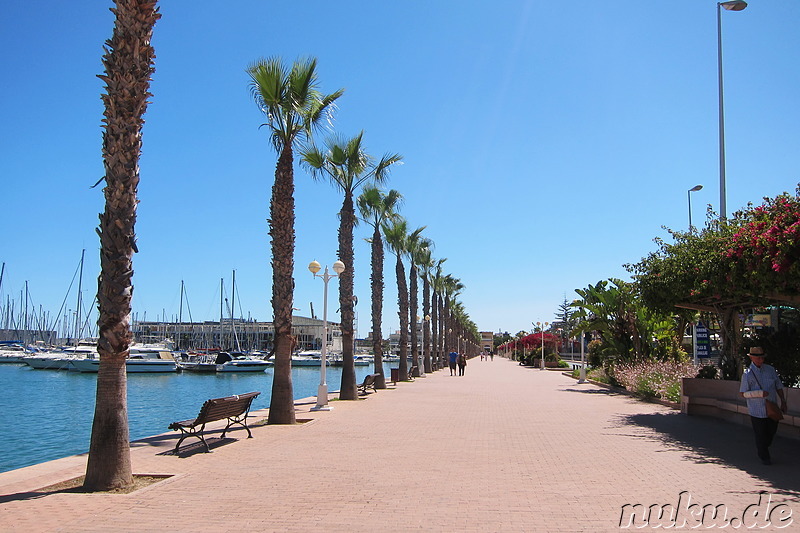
x,y
47,414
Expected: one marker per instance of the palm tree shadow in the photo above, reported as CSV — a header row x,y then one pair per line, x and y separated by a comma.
x,y
714,441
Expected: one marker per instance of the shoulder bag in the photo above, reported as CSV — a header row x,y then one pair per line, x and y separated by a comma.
x,y
773,411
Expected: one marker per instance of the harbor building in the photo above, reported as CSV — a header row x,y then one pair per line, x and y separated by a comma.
x,y
236,334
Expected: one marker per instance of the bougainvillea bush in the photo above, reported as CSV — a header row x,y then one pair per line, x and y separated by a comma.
x,y
655,379
764,251
753,257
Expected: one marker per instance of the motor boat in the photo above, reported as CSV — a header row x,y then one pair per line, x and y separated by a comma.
x,y
135,364
239,362
12,352
307,358
52,361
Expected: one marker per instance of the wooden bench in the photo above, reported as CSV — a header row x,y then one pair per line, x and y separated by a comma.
x,y
369,383
233,408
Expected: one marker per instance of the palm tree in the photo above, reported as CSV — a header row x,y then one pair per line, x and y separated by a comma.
x,y
437,321
128,65
376,208
348,166
416,244
426,264
396,234
452,287
294,108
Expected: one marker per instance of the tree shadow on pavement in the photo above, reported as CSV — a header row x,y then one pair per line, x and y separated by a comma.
x,y
710,440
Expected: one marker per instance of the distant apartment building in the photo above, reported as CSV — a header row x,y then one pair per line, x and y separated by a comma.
x,y
237,334
487,341
29,336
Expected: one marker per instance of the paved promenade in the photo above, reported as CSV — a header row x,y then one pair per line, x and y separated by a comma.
x,y
504,448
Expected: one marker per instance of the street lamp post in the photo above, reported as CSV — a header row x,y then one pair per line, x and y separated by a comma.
x,y
541,333
322,391
689,195
582,378
733,5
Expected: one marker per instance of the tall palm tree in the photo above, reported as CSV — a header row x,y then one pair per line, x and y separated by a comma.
x,y
452,287
396,234
294,108
426,264
376,208
416,243
128,65
437,321
348,167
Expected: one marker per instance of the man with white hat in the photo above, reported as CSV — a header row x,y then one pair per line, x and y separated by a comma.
x,y
760,383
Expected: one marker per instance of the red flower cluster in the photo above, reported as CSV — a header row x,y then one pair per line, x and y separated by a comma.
x,y
769,237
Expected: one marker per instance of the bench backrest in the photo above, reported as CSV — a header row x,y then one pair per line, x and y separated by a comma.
x,y
221,408
369,380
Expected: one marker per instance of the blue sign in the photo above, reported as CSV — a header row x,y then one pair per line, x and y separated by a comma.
x,y
703,341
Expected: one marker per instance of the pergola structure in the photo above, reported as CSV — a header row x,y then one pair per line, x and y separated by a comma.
x,y
728,311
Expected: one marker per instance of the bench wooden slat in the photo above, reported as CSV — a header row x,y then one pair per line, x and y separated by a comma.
x,y
369,383
233,408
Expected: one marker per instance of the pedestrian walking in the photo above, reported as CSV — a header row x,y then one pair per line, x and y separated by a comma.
x,y
760,386
452,357
462,363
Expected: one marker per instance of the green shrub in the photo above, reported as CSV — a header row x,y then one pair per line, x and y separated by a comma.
x,y
598,374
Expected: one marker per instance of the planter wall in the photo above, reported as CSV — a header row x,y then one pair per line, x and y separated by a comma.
x,y
720,399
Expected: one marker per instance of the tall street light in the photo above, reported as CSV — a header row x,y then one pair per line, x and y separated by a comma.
x,y
541,332
733,5
581,336
322,391
689,195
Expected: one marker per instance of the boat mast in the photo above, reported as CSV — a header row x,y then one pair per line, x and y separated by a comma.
x,y
233,306
180,321
25,336
221,289
4,316
78,312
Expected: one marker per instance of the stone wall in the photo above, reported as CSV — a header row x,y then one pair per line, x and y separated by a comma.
x,y
720,399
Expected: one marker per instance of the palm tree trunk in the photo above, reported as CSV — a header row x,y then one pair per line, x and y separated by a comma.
x,y
349,387
402,302
439,328
128,66
281,223
412,317
426,325
377,306
435,330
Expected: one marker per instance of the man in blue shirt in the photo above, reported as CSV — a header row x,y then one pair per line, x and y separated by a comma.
x,y
760,383
453,356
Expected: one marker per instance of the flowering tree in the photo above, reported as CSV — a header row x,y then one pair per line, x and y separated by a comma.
x,y
751,259
764,251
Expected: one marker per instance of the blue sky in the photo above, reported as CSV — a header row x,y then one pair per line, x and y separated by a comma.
x,y
545,143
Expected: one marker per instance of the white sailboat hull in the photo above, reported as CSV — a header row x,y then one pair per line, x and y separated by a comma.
x,y
132,366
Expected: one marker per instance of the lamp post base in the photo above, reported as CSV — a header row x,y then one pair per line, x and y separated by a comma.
x,y
322,399
582,378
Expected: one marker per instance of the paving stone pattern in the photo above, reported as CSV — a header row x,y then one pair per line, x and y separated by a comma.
x,y
504,448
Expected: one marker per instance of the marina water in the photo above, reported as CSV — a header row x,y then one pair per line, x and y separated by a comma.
x,y
47,414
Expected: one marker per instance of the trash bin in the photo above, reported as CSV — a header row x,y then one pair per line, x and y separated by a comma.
x,y
395,374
